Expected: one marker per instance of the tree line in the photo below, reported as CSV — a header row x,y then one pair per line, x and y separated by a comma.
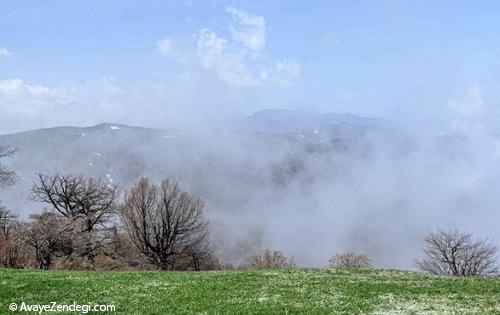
x,y
87,223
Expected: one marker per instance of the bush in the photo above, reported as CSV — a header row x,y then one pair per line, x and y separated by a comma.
x,y
350,260
270,259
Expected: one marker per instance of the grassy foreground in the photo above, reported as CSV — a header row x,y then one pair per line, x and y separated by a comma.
x,y
299,291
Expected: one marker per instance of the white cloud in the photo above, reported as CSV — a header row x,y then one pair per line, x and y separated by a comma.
x,y
219,71
17,88
283,72
189,99
33,106
251,30
4,52
466,111
239,60
166,47
215,54
212,49
25,106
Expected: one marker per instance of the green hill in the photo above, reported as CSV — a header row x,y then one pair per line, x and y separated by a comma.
x,y
294,291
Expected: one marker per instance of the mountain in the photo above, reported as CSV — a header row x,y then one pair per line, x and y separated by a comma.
x,y
303,183
252,172
201,159
284,120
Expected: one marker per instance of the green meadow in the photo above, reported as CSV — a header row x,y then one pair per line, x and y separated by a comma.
x,y
287,291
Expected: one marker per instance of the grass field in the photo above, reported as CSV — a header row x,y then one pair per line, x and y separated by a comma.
x,y
299,291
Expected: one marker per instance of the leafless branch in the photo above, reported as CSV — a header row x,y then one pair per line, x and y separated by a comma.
x,y
458,254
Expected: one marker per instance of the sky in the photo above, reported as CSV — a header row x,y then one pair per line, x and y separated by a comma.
x,y
157,63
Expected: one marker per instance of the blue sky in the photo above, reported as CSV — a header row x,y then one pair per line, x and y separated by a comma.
x,y
152,62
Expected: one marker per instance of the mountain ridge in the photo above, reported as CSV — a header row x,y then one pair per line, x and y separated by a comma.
x,y
280,118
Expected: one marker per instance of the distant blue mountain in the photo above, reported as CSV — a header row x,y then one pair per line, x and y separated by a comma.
x,y
283,120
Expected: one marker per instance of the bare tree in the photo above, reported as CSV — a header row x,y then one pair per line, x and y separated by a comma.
x,y
6,220
47,236
163,221
10,251
270,259
7,175
13,251
11,254
458,254
90,201
87,205
350,260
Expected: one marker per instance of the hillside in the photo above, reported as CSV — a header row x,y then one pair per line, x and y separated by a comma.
x,y
311,291
122,154
342,182
248,170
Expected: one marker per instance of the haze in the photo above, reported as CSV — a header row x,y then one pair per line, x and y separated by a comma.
x,y
427,72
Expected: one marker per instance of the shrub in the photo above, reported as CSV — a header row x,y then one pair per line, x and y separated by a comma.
x,y
350,260
270,259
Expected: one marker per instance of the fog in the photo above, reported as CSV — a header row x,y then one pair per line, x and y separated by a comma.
x,y
423,154
290,181
379,195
